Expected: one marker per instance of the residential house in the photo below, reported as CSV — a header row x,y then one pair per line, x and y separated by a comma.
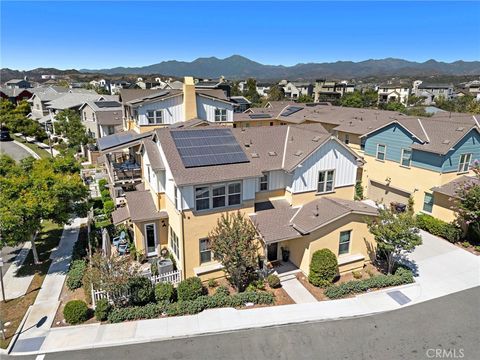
x,y
101,118
263,88
145,110
18,84
327,90
295,183
295,89
241,103
15,95
432,91
393,92
214,84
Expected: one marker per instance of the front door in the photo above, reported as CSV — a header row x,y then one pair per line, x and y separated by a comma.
x,y
272,252
150,237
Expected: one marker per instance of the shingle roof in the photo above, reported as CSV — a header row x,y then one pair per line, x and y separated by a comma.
x,y
71,100
120,215
153,154
111,117
285,222
141,206
140,95
450,188
14,92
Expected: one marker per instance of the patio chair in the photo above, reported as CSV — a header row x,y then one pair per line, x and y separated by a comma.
x,y
117,239
123,248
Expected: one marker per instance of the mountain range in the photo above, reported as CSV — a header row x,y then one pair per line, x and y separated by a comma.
x,y
239,67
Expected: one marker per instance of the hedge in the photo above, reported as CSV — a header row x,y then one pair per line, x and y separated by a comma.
x,y
102,309
165,292
189,289
402,276
76,312
75,274
438,227
323,268
141,290
201,303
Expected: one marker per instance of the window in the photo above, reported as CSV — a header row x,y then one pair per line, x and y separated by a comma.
x,y
218,195
406,157
428,203
464,162
347,139
264,182
205,251
362,143
175,196
381,150
326,181
155,117
220,114
174,243
148,174
344,245
234,194
202,198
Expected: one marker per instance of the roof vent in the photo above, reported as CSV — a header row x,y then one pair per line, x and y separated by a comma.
x,y
298,153
446,142
272,153
461,128
316,138
315,212
247,144
255,155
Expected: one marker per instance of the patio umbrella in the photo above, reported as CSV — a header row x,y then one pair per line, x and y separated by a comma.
x,y
106,244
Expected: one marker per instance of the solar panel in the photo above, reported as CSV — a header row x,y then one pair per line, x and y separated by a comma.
x,y
291,110
104,104
260,116
208,147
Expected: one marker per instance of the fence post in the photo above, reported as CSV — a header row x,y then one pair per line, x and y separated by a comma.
x,y
93,296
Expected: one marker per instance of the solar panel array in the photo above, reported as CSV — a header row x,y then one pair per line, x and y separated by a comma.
x,y
260,116
291,110
208,147
105,104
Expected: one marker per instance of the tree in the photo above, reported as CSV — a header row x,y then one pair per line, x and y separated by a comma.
x,y
276,93
305,99
70,125
251,91
395,235
233,243
235,89
354,99
467,207
34,191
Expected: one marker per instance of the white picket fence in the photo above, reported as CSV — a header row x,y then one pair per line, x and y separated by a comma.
x,y
173,277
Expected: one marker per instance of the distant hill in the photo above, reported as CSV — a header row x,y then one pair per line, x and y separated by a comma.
x,y
239,67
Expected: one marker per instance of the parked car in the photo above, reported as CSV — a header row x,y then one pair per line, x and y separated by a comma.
x,y
5,135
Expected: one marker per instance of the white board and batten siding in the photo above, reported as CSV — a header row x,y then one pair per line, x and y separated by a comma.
x,y
331,156
172,110
206,109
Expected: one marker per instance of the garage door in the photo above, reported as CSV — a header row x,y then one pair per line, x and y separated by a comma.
x,y
384,194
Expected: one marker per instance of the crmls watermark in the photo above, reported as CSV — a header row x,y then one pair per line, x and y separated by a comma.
x,y
445,353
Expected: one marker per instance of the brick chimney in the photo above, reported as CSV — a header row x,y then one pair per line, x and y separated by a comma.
x,y
189,99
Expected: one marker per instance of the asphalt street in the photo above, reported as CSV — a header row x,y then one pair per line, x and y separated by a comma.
x,y
444,328
12,149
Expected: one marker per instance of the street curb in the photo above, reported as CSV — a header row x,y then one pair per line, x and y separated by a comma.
x,y
19,330
26,148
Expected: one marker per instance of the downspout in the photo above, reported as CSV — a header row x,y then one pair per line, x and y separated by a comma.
x,y
183,245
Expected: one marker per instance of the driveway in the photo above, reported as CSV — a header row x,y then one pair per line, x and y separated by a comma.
x,y
13,150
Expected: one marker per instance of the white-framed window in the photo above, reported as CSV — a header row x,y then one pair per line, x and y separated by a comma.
x,y
205,251
155,117
428,202
264,182
406,157
220,114
381,151
464,164
326,181
174,243
344,244
218,196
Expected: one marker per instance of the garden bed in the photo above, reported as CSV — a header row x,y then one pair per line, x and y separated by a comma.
x,y
474,249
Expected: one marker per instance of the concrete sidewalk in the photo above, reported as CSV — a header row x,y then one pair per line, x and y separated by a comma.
x,y
42,312
442,269
297,291
16,286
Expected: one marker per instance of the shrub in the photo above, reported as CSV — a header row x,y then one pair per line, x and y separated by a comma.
x,y
357,274
141,290
465,244
189,289
108,207
76,312
477,248
164,292
105,194
323,268
75,274
102,309
438,227
212,283
102,183
222,291
273,281
401,276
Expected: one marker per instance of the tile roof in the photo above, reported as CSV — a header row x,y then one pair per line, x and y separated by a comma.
x,y
284,222
450,188
141,206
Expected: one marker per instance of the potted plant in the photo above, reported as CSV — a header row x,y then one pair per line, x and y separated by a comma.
x,y
285,254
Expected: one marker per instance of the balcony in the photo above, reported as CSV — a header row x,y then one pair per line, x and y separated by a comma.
x,y
123,169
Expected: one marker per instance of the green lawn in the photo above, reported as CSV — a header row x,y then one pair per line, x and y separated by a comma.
x,y
41,152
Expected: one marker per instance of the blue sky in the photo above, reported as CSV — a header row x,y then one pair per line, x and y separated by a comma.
x,y
107,34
